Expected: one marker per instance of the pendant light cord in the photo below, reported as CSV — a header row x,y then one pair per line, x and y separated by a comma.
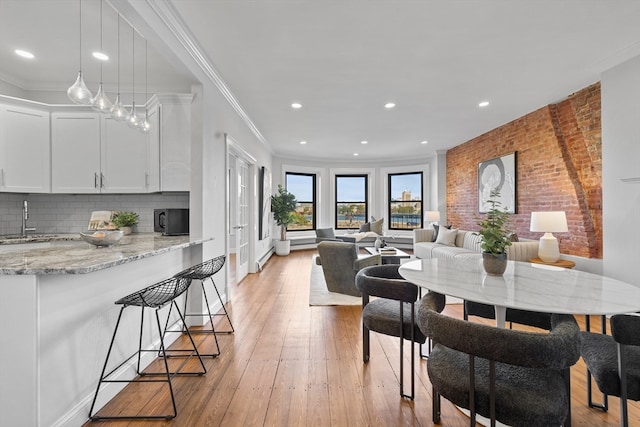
x,y
101,1
133,64
118,53
80,32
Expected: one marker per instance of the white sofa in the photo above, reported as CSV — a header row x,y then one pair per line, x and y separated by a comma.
x,y
467,245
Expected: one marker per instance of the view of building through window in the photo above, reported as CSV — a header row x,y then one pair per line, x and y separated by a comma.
x,y
351,201
405,201
303,186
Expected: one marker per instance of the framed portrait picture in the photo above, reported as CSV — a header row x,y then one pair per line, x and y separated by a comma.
x,y
265,203
500,174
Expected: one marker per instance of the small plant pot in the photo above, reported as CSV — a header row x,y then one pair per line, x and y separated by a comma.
x,y
494,265
126,230
283,247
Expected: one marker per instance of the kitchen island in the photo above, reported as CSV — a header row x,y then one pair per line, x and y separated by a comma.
x,y
57,314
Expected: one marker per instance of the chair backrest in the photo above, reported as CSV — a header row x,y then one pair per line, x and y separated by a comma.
x,y
325,233
558,349
337,259
625,329
385,281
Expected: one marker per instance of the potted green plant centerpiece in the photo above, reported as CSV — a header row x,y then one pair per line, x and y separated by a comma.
x,y
124,220
495,237
283,206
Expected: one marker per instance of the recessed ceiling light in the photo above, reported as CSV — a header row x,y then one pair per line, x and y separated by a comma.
x,y
303,142
296,105
424,142
24,53
355,154
364,142
389,105
483,104
101,56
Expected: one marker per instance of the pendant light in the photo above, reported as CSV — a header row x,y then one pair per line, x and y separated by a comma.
x,y
78,92
145,126
118,112
101,102
133,120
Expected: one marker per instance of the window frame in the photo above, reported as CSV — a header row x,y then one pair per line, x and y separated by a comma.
x,y
314,203
390,201
336,201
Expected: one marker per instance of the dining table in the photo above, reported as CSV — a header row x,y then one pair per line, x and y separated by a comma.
x,y
524,286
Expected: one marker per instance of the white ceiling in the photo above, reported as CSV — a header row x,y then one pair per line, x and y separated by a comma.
x,y
344,59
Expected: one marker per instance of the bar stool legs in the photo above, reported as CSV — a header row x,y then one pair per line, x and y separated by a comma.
x,y
155,296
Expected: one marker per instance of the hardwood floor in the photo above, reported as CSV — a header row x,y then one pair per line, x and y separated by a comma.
x,y
289,364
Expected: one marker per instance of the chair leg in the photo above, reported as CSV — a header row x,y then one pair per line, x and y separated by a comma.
x,y
224,308
622,373
435,406
604,406
365,344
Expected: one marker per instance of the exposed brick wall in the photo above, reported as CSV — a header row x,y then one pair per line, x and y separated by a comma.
x,y
559,167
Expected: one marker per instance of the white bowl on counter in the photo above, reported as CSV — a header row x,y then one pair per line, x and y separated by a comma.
x,y
103,237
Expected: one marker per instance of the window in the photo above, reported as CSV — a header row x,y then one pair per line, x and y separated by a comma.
x,y
351,201
303,186
405,201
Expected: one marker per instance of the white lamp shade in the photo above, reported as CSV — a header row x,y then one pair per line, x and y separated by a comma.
x,y
549,222
431,216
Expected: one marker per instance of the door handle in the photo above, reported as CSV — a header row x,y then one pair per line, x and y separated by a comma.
x,y
237,227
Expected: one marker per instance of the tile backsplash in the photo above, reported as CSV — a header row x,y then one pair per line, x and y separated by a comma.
x,y
70,213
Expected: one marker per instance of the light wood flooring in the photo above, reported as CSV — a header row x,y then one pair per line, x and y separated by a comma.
x,y
289,364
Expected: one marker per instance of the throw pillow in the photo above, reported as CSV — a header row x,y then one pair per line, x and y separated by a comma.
x,y
435,230
365,227
376,226
447,236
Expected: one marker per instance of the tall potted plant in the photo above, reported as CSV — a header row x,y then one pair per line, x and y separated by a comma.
x,y
283,206
495,236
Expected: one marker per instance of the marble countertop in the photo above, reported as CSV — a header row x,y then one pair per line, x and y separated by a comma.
x,y
67,254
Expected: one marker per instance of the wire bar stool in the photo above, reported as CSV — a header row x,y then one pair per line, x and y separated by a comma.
x,y
155,296
201,272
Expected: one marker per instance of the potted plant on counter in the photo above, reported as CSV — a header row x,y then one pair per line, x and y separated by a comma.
x,y
495,237
125,220
283,206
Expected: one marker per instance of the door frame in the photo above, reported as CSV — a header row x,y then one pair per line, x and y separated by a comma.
x,y
232,148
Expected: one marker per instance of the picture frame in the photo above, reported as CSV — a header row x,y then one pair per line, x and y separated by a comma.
x,y
498,173
265,203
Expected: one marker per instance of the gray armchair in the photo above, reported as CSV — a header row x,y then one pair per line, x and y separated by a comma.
x,y
326,234
340,264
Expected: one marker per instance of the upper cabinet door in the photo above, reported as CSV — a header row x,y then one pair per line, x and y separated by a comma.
x,y
175,142
24,150
75,153
124,154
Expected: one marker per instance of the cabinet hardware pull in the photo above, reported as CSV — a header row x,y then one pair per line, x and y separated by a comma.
x,y
146,180
1,177
101,180
95,180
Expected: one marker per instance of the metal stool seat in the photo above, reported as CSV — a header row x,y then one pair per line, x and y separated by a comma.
x,y
201,272
155,296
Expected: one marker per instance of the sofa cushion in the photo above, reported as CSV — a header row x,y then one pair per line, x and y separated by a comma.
x,y
436,227
447,236
472,241
443,251
376,226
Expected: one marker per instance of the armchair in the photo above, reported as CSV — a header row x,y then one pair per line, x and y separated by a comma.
x,y
325,234
340,264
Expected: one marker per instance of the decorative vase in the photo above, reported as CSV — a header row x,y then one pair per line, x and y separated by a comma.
x,y
494,265
126,230
379,243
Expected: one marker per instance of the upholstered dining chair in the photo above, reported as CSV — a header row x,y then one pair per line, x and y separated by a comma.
x,y
614,360
392,313
518,378
340,263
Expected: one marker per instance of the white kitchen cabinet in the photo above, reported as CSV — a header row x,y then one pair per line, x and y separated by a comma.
x,y
92,153
75,152
173,115
24,150
124,158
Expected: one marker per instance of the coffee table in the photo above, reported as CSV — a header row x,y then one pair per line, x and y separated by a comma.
x,y
388,258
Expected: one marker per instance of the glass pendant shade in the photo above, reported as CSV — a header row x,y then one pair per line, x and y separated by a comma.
x,y
79,93
101,102
118,112
133,119
145,125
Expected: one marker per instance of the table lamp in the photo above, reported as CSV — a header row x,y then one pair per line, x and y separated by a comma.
x,y
547,223
431,217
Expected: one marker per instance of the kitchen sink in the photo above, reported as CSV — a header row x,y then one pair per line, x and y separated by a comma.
x,y
37,241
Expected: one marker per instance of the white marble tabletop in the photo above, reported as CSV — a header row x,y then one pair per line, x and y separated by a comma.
x,y
80,257
525,286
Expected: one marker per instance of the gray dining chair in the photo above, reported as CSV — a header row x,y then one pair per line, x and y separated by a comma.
x,y
519,378
392,312
614,361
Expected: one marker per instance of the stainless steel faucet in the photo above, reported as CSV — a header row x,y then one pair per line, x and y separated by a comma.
x,y
25,217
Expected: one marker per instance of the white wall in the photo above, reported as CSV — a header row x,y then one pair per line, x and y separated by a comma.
x,y
621,160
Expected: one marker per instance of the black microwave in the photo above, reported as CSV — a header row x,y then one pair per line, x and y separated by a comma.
x,y
171,222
